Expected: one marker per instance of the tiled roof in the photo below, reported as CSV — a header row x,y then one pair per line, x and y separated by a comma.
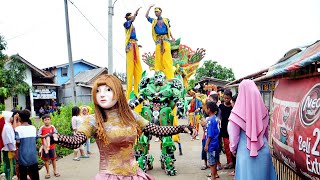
x,y
41,72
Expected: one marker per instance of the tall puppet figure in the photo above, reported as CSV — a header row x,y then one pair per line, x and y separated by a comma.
x,y
161,35
134,68
115,128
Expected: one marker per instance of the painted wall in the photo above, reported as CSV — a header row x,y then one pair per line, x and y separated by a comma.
x,y
83,95
22,97
8,103
78,67
22,100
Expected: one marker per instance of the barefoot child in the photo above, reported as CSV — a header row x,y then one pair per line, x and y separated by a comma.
x,y
212,142
48,150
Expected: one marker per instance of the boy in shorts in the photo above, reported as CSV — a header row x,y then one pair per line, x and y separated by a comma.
x,y
47,151
212,141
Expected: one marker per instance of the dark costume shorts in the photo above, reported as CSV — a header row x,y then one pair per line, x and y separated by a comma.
x,y
50,155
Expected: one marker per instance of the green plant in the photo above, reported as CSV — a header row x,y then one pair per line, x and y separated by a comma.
x,y
1,168
62,122
2,107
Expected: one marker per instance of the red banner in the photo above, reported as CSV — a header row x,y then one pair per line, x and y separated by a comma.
x,y
295,125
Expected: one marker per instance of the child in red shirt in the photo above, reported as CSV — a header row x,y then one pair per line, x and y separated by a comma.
x,y
47,151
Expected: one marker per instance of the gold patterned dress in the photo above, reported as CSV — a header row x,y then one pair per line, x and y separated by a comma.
x,y
117,159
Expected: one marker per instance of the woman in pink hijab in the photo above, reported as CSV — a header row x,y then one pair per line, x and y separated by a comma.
x,y
248,133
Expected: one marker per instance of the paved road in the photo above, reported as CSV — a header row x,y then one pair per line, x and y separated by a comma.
x,y
188,165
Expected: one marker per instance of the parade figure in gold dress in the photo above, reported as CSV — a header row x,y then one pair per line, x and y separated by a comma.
x,y
115,127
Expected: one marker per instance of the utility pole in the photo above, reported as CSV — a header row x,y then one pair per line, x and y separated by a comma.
x,y
110,40
73,94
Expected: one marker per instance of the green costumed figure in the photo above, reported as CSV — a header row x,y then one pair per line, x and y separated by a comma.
x,y
159,97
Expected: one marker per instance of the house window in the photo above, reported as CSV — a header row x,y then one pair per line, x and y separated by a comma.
x,y
15,101
64,71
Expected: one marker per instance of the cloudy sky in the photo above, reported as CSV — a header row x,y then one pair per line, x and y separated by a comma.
x,y
245,35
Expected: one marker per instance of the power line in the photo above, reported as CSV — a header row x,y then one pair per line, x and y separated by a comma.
x,y
94,26
28,31
22,34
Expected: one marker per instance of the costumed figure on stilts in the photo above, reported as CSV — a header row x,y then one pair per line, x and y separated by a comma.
x,y
159,98
115,128
134,68
161,35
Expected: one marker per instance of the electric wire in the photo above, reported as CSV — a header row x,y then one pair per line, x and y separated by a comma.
x,y
96,29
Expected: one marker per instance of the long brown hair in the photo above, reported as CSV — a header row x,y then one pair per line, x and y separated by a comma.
x,y
125,113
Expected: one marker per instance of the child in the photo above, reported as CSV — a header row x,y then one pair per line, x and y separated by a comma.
x,y
85,113
47,152
203,153
212,142
76,123
225,109
214,97
203,123
26,140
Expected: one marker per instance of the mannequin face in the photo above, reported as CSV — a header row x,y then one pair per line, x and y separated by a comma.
x,y
104,97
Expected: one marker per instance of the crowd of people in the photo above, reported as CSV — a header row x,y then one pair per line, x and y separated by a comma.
x,y
238,126
18,143
48,110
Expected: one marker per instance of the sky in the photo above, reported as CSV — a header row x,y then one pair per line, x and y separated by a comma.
x,y
245,35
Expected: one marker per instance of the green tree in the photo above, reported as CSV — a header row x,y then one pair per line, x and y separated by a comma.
x,y
213,69
12,75
191,83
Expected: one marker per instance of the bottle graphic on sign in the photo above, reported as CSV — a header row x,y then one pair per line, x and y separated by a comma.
x,y
283,129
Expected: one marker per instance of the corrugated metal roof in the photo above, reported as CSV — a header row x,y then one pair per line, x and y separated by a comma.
x,y
74,62
299,60
85,77
294,59
45,84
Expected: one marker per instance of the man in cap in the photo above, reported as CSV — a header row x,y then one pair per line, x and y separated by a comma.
x,y
161,35
134,68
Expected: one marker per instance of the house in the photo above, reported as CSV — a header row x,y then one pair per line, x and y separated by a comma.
x,y
42,92
84,72
84,82
62,72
